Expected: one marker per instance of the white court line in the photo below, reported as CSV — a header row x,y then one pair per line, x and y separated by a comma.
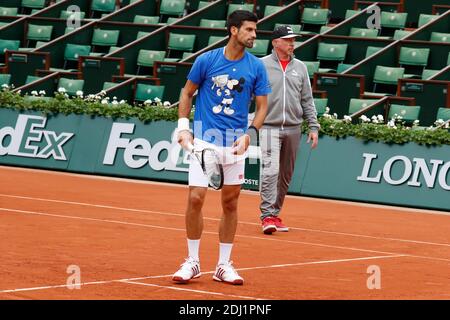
x,y
215,233
216,219
193,290
249,192
203,273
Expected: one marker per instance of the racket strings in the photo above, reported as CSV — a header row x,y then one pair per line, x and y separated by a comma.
x,y
212,168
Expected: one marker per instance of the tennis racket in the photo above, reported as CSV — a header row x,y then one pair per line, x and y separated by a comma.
x,y
210,163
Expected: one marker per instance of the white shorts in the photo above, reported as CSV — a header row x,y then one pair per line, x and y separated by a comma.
x,y
233,171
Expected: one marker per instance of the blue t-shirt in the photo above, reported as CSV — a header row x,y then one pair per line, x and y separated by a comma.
x,y
224,94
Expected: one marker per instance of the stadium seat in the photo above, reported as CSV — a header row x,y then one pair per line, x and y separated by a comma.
x,y
107,85
233,7
202,4
408,113
102,6
387,76
38,33
5,78
440,37
390,21
172,8
400,34
12,45
214,39
321,105
146,19
8,11
186,55
72,14
147,91
206,23
343,66
359,104
146,58
33,4
180,42
350,13
425,18
372,50
31,79
428,73
363,33
73,51
443,114
315,16
269,9
260,47
324,29
414,56
71,85
105,38
312,67
331,51
141,34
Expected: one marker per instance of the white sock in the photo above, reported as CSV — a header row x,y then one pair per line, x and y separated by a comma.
x,y
225,252
193,246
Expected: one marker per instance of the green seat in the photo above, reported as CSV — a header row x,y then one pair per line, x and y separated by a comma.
x,y
146,91
268,10
260,47
12,45
171,59
103,5
105,37
202,4
113,48
71,85
186,55
181,42
363,33
315,16
343,66
7,11
31,79
350,13
400,34
107,85
395,20
5,78
69,29
414,56
425,18
38,33
172,20
146,58
72,14
324,29
321,105
312,67
388,75
372,50
73,51
172,7
233,7
296,28
332,51
214,39
35,4
443,114
146,19
428,73
141,34
359,104
440,37
408,113
206,23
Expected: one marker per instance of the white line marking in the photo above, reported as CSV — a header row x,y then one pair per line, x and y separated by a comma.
x,y
193,291
203,273
249,192
216,219
215,233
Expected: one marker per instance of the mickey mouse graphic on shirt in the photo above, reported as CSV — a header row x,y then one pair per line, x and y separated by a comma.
x,y
226,88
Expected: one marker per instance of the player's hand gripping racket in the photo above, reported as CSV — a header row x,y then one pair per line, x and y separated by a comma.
x,y
210,163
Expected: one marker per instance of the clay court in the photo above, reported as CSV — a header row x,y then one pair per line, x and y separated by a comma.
x,y
127,238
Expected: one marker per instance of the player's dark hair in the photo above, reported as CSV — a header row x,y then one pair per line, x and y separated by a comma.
x,y
237,18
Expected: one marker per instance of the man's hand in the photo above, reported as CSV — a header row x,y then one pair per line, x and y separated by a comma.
x,y
241,144
185,138
314,137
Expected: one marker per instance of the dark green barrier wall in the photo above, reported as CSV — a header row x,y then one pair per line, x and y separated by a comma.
x,y
407,175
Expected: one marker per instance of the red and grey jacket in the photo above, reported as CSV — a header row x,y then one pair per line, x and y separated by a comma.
x,y
291,100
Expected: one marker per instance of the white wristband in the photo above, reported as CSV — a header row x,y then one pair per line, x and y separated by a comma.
x,y
183,124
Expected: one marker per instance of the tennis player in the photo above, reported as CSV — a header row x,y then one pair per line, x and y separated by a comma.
x,y
226,79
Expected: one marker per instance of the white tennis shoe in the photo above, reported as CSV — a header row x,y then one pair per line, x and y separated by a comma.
x,y
225,272
190,269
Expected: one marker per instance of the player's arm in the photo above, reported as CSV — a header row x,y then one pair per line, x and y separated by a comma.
x,y
184,110
241,144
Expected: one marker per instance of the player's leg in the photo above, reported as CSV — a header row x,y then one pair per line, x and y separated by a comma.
x,y
290,142
198,183
270,155
233,179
